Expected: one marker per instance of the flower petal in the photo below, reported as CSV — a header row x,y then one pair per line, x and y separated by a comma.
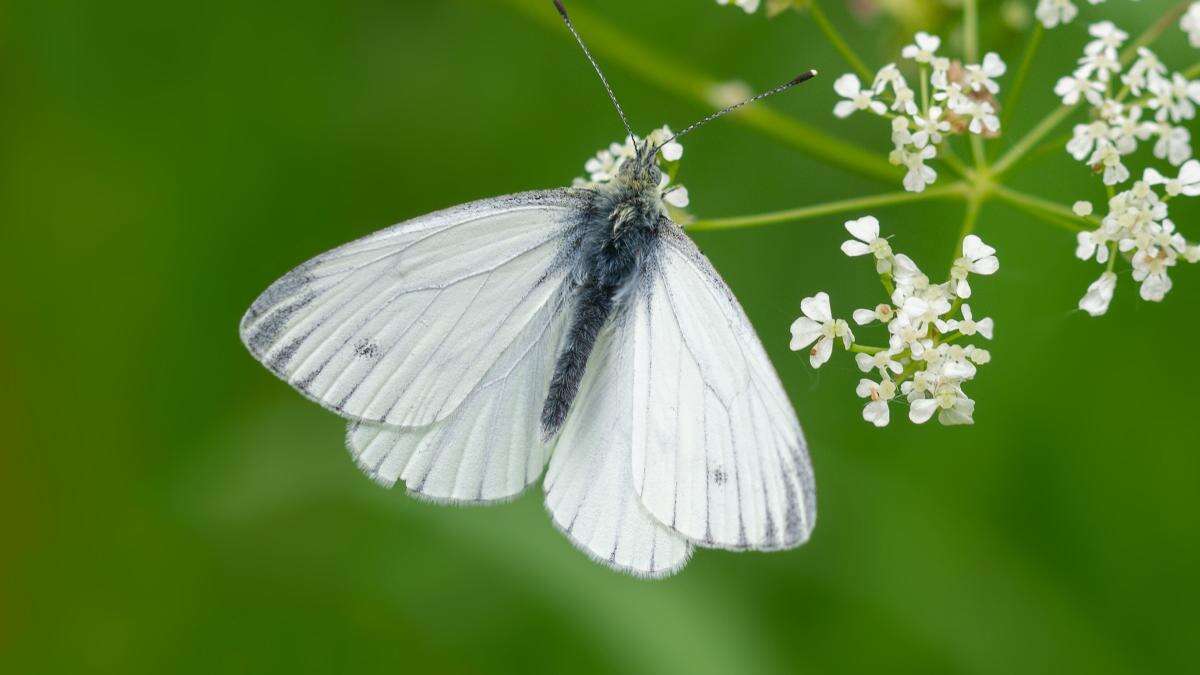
x,y
804,332
863,317
974,248
854,248
820,352
864,229
847,86
921,410
817,307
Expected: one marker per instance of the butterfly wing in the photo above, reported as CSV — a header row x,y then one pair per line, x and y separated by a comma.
x,y
589,485
717,453
487,450
400,327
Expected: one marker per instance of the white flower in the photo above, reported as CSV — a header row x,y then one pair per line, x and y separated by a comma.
x,y
1084,138
1150,267
876,411
676,195
930,127
1082,208
882,361
905,333
750,6
977,258
866,240
1102,65
901,136
1127,129
955,98
910,280
983,118
923,48
1190,24
1094,243
951,404
905,101
818,325
850,88
1174,144
967,325
919,175
922,312
1108,40
1174,99
1099,295
1053,12
889,75
1145,69
940,77
603,167
982,76
1108,158
1187,183
882,313
1072,87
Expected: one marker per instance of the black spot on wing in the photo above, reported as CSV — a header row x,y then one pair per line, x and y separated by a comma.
x,y
366,349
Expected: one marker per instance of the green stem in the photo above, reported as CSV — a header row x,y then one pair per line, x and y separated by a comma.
x,y
971,30
839,43
974,202
1014,94
829,208
613,44
924,90
1032,138
1056,143
1154,31
1049,211
978,153
946,154
865,349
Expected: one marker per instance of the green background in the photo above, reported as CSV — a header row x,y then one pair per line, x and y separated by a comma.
x,y
170,507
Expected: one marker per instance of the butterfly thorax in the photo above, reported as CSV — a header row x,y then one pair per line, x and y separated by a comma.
x,y
620,230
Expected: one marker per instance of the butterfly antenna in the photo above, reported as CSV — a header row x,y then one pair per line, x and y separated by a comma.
x,y
799,79
586,52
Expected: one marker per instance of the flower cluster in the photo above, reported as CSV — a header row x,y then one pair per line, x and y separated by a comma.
x,y
1138,227
954,99
1150,106
605,165
924,363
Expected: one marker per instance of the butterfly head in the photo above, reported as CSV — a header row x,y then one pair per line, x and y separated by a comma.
x,y
641,172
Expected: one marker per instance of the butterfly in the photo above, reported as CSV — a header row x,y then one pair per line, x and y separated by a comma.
x,y
575,332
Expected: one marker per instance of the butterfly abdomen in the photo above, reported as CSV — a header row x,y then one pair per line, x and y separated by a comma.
x,y
593,305
619,232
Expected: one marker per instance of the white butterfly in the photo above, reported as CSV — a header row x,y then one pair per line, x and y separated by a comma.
x,y
576,327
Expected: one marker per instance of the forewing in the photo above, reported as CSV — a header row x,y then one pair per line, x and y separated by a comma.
x,y
401,326
718,454
487,450
589,486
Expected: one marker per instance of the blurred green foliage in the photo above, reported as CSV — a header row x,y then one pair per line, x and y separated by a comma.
x,y
170,507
